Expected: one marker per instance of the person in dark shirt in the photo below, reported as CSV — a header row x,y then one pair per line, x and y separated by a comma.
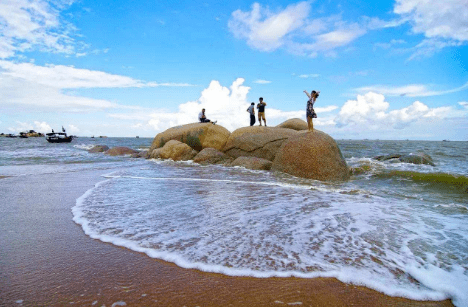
x,y
261,111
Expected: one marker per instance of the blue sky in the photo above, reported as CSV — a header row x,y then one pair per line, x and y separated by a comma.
x,y
386,70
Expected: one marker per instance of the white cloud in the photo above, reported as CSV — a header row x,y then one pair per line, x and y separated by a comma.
x,y
291,29
390,44
25,25
264,30
42,126
436,19
73,129
262,81
69,77
412,90
226,105
42,87
36,126
309,76
370,111
463,104
443,23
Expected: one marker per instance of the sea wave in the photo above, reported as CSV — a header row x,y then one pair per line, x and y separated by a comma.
x,y
458,182
275,229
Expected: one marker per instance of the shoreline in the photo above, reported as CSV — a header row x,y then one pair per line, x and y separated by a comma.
x,y
48,260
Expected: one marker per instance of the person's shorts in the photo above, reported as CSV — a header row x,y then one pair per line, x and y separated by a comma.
x,y
261,115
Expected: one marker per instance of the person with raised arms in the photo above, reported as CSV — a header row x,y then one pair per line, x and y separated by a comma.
x,y
310,108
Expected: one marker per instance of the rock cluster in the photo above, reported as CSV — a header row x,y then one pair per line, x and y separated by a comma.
x,y
286,148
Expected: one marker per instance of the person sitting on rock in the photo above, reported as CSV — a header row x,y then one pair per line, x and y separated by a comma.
x,y
202,117
310,108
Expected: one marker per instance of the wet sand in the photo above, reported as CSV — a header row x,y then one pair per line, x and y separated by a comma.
x,y
47,260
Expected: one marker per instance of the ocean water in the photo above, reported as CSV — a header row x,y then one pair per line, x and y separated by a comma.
x,y
398,228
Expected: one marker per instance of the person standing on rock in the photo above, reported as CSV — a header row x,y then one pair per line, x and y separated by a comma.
x,y
261,111
310,108
251,110
202,117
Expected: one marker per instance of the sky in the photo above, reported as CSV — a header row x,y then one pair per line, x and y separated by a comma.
x,y
388,70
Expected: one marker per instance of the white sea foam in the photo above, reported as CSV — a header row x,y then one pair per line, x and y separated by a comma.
x,y
245,224
84,146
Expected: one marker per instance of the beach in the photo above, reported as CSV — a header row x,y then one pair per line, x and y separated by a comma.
x,y
47,260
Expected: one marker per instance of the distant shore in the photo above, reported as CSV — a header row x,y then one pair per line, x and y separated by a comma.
x,y
48,260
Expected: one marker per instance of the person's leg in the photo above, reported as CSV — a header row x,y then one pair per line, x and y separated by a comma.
x,y
259,119
310,125
252,120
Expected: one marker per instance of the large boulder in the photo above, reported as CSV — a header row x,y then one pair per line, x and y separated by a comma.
x,y
295,124
256,141
177,151
252,163
120,151
98,148
211,156
197,135
313,155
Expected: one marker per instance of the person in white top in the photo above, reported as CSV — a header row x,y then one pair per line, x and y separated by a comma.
x,y
251,110
202,117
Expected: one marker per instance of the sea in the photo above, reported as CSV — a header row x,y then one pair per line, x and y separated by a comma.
x,y
398,228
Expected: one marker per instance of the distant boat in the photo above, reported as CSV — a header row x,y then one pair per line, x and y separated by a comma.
x,y
11,136
102,136
137,137
58,137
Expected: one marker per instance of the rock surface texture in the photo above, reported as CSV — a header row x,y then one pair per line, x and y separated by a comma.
x,y
120,151
417,158
211,156
99,148
252,163
294,123
198,136
177,151
313,155
140,154
260,142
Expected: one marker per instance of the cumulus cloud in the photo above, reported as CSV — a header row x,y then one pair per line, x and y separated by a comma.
x,y
227,105
42,87
463,104
411,90
370,111
25,25
36,126
291,29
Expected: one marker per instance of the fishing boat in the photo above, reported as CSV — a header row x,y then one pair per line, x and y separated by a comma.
x,y
58,137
